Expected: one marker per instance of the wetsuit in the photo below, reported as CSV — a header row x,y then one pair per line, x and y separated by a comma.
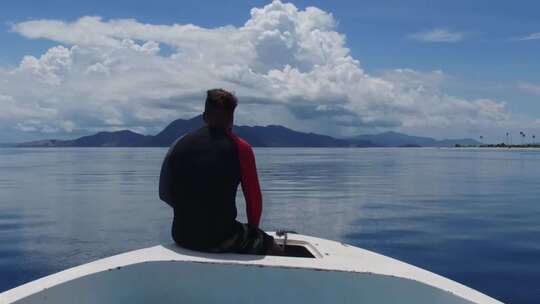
x,y
199,179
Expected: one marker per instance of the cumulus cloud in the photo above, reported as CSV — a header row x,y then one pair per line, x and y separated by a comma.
x,y
438,35
287,65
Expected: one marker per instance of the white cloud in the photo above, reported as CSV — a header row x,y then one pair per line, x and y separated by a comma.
x,y
288,66
533,36
530,88
438,35
49,66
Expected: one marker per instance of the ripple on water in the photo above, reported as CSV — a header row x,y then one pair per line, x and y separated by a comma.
x,y
471,215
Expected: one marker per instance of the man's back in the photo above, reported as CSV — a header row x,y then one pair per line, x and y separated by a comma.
x,y
202,172
200,177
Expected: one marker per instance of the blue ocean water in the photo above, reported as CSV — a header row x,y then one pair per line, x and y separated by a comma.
x,y
472,215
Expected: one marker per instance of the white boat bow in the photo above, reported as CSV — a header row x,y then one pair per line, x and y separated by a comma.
x,y
336,273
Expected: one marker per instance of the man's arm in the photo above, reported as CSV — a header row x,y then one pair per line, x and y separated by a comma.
x,y
166,177
250,181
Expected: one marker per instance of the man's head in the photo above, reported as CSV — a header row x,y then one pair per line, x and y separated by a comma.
x,y
219,108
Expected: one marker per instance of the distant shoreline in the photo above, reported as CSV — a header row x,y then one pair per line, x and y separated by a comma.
x,y
277,147
499,146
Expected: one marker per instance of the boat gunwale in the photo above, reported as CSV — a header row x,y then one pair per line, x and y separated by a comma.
x,y
332,257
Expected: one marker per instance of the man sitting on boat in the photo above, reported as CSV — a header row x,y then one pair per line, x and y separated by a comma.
x,y
199,179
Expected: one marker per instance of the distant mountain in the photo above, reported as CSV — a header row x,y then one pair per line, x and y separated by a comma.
x,y
279,136
124,138
41,143
257,136
175,129
395,139
269,136
7,145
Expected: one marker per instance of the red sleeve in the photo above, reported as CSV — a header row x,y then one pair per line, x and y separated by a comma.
x,y
250,181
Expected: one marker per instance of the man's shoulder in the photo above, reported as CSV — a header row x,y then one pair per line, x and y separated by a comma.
x,y
240,142
181,143
243,142
187,138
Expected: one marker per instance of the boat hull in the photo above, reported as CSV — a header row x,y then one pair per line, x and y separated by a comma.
x,y
167,274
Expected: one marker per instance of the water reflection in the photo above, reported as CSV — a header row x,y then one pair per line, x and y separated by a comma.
x,y
472,215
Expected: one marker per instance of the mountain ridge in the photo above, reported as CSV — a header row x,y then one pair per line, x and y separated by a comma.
x,y
396,139
257,136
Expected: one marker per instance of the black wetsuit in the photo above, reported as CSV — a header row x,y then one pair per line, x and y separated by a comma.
x,y
199,179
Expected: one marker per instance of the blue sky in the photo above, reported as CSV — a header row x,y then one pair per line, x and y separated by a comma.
x,y
477,45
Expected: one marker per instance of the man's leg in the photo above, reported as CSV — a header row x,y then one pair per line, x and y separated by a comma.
x,y
252,240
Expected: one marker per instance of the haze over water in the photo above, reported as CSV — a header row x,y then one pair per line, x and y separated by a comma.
x,y
471,215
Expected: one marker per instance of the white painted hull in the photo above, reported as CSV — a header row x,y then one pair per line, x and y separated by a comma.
x,y
167,274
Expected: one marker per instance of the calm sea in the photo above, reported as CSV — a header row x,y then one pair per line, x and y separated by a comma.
x,y
471,215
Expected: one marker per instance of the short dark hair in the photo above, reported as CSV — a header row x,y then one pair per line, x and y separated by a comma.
x,y
220,98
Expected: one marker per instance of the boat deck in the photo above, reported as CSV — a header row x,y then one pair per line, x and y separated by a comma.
x,y
329,258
